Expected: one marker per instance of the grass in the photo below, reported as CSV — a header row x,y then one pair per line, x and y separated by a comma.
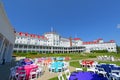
x,y
75,64
74,56
56,78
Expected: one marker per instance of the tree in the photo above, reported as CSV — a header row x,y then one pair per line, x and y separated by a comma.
x,y
118,49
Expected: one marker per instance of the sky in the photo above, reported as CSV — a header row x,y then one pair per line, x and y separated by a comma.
x,y
86,19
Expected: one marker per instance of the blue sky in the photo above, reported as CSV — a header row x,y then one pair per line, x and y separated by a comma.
x,y
86,19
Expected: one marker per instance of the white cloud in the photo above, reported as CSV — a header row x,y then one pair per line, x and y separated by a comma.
x,y
118,26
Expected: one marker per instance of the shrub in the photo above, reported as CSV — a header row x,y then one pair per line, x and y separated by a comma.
x,y
99,51
33,53
92,56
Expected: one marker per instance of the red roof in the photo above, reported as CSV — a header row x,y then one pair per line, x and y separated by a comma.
x,y
43,37
26,34
20,33
31,35
95,42
34,35
112,41
38,36
76,39
91,42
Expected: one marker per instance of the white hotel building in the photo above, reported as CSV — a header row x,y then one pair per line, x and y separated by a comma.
x,y
7,37
52,42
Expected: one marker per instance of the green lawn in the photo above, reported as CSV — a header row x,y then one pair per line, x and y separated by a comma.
x,y
74,56
75,64
56,78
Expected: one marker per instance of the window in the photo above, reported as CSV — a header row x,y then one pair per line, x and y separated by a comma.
x,y
17,37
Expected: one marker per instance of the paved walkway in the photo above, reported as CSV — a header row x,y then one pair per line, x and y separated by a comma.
x,y
5,70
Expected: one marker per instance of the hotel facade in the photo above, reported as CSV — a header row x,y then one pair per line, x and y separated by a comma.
x,y
52,42
7,37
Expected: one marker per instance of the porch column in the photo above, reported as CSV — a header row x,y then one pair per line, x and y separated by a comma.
x,y
2,52
3,39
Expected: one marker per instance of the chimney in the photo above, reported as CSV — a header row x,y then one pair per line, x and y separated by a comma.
x,y
70,41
